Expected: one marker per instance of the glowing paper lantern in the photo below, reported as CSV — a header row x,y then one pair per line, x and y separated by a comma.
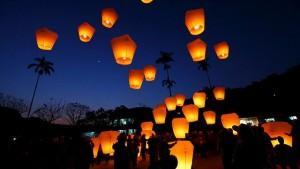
x,y
180,127
107,140
219,93
123,48
147,133
45,38
171,103
229,120
86,32
199,99
183,150
222,50
197,50
109,17
190,112
160,113
210,117
147,125
195,21
279,128
136,78
180,98
146,1
149,72
96,142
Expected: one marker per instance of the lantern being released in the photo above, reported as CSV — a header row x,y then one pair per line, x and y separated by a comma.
x,y
222,50
109,17
171,103
180,98
183,150
197,50
147,125
123,48
190,112
147,133
86,32
229,120
45,38
199,99
219,93
180,127
146,1
195,21
279,128
107,140
160,113
136,78
149,72
210,117
96,142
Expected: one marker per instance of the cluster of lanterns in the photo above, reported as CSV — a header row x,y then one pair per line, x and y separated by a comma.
x,y
105,140
276,129
136,76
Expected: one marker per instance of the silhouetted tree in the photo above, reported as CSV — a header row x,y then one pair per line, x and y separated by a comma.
x,y
203,65
75,112
50,111
13,103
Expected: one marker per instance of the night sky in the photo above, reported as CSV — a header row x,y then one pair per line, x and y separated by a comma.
x,y
263,36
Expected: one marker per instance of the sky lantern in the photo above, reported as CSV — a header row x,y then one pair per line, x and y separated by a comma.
x,y
222,50
183,150
109,17
197,50
229,120
45,38
180,98
149,72
96,142
147,125
160,113
191,112
171,103
107,140
210,117
123,49
195,21
146,1
85,32
279,128
147,133
180,127
219,93
199,99
135,78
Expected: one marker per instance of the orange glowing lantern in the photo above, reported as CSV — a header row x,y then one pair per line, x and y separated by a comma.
x,y
45,38
86,32
171,103
195,21
197,50
210,117
96,143
180,127
199,99
160,113
229,120
109,17
190,112
222,50
183,150
107,140
219,93
279,128
180,98
148,125
146,1
123,48
136,78
149,72
147,133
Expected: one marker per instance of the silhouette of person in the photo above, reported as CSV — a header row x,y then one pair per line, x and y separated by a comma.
x,y
121,160
227,144
153,150
133,149
143,147
284,154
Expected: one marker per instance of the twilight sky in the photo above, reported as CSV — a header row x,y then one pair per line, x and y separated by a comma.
x,y
263,36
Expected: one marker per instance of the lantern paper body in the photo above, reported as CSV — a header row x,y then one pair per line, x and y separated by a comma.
x,y
199,99
136,78
146,1
180,98
183,150
210,117
123,49
197,50
148,125
219,93
109,17
195,21
275,129
222,50
96,142
229,120
149,72
171,103
159,114
147,133
85,32
180,127
45,38
190,112
107,140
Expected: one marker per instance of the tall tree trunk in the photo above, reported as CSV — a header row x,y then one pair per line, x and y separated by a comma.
x,y
208,78
36,84
168,77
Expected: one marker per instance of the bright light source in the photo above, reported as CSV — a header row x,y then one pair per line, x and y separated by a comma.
x,y
293,118
271,119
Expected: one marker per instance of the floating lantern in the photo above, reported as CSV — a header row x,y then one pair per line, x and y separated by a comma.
x,y
229,120
123,48
210,117
136,78
180,98
222,50
148,125
45,38
96,143
195,21
149,72
147,133
199,99
183,150
190,112
279,128
219,93
107,140
180,127
171,103
86,32
109,17
146,1
160,113
197,50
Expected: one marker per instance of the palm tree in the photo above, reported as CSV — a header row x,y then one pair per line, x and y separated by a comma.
x,y
164,59
203,65
41,67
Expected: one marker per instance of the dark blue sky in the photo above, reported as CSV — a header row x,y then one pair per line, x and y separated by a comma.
x,y
263,36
